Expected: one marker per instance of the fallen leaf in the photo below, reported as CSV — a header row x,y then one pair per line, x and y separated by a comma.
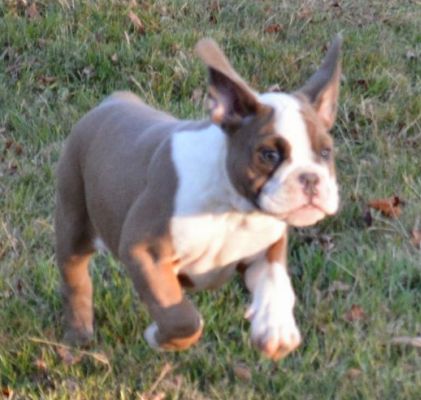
x,y
32,11
338,286
305,13
71,385
410,55
157,396
390,207
214,10
273,28
7,392
88,71
18,149
67,356
46,80
40,364
416,238
356,313
242,372
136,22
326,242
274,88
363,83
215,6
353,373
407,341
368,218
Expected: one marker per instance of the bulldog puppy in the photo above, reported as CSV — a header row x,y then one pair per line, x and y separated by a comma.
x,y
183,204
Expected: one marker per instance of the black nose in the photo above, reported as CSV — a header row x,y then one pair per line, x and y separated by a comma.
x,y
309,180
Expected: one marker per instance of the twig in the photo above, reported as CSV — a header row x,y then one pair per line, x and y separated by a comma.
x,y
101,358
164,372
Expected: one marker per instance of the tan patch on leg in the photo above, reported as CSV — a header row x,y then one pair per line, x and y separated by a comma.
x,y
277,251
77,294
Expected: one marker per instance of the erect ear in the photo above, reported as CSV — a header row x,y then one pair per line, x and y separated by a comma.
x,y
322,89
231,98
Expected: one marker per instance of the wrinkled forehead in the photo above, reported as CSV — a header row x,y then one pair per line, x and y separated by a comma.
x,y
295,121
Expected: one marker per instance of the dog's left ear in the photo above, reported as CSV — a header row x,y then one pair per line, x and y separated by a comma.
x,y
322,89
231,98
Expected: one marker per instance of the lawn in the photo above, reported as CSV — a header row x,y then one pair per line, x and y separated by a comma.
x,y
357,275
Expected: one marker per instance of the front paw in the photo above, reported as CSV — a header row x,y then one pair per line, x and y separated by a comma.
x,y
172,340
78,337
275,335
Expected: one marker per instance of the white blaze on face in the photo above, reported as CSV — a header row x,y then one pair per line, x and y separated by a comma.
x,y
283,193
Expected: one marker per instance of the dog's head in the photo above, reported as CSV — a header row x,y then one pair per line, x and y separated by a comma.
x,y
280,153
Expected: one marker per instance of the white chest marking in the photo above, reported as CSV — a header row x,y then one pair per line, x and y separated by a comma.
x,y
213,227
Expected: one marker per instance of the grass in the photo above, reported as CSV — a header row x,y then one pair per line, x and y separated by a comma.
x,y
56,65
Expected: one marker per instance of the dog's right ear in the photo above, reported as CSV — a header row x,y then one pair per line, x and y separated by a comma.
x,y
231,98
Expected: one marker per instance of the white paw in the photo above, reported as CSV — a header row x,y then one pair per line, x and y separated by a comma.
x,y
149,336
274,333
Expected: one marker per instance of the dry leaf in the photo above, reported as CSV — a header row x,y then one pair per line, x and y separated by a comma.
x,y
46,80
356,313
390,207
88,71
137,23
338,286
353,373
305,13
326,242
274,88
410,55
273,28
32,11
40,364
158,396
67,356
363,83
416,238
242,372
368,218
408,341
71,385
215,6
6,392
214,9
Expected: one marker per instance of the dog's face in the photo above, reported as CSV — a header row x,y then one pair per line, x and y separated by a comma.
x,y
280,154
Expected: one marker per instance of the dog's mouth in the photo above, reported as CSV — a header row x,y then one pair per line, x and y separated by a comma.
x,y
305,215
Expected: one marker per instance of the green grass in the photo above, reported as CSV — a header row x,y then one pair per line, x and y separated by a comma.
x,y
55,67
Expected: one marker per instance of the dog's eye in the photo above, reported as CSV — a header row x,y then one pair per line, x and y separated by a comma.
x,y
269,156
325,154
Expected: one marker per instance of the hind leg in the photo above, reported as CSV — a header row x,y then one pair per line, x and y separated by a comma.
x,y
73,250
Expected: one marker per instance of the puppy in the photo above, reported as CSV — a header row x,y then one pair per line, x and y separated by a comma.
x,y
184,204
